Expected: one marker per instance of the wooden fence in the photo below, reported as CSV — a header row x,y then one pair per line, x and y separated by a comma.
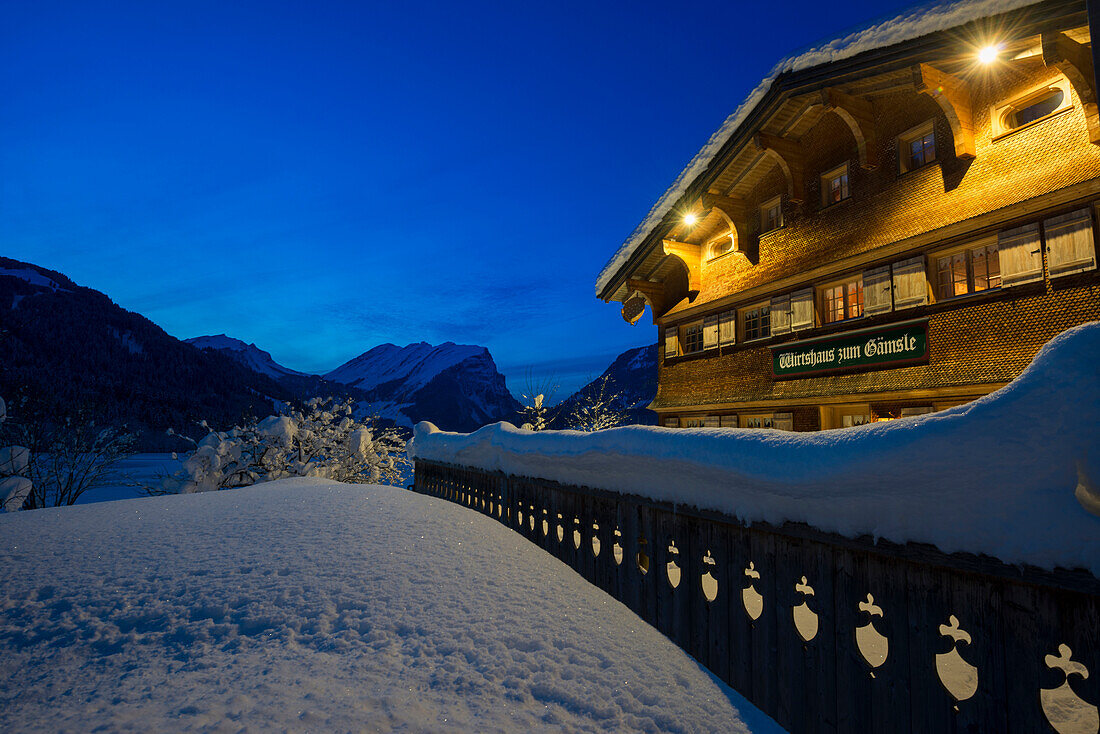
x,y
823,633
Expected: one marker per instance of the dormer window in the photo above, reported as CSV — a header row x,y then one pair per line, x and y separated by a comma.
x,y
771,215
834,185
720,246
917,147
1034,106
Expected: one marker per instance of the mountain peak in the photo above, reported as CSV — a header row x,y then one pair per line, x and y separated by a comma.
x,y
248,355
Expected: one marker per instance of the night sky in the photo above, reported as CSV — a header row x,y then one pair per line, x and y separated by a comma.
x,y
320,178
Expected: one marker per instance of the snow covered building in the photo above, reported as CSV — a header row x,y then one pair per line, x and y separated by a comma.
x,y
892,223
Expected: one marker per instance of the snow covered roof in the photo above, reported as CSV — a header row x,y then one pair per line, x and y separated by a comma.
x,y
907,25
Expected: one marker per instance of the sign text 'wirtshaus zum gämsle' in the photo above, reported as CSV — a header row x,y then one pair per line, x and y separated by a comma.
x,y
895,345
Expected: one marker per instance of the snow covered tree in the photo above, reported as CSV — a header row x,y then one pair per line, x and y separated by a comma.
x,y
323,440
598,409
536,412
64,455
14,485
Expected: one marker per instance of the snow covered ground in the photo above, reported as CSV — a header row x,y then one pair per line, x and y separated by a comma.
x,y
306,604
999,475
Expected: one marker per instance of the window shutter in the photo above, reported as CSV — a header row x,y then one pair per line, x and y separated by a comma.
x,y
727,327
711,421
1019,252
671,341
710,332
802,309
877,293
781,315
783,421
1070,247
910,283
728,421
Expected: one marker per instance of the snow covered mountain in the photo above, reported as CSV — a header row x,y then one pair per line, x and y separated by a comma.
x,y
631,378
455,386
66,348
247,355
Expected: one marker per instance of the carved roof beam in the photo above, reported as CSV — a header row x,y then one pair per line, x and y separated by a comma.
x,y
691,256
788,154
953,96
1075,61
859,115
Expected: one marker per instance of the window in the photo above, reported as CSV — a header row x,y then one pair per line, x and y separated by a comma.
x,y
695,421
760,420
728,421
756,321
972,269
834,185
1020,255
1035,105
843,300
1070,247
910,283
917,147
778,421
771,215
691,337
711,421
672,422
727,328
720,246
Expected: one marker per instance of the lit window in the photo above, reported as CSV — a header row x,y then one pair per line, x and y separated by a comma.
x,y
969,270
843,300
1036,110
763,420
720,247
834,185
691,337
771,215
1033,106
756,321
917,147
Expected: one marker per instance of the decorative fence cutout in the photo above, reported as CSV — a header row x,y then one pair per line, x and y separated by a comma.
x,y
1064,709
642,560
805,619
959,677
595,540
872,645
672,571
750,597
709,580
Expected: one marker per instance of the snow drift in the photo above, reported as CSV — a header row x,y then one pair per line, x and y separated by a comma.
x,y
308,605
996,476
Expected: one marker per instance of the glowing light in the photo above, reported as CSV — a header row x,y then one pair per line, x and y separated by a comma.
x,y
690,219
988,54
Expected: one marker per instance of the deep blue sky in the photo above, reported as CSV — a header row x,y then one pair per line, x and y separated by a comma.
x,y
320,178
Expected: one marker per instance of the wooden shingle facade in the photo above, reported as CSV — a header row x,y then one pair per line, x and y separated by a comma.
x,y
882,236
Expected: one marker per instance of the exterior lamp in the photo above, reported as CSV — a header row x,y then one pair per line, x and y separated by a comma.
x,y
988,54
690,219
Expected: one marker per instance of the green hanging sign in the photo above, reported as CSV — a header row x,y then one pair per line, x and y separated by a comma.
x,y
893,345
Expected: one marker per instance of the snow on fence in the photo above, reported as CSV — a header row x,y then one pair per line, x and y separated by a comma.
x,y
822,632
841,581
